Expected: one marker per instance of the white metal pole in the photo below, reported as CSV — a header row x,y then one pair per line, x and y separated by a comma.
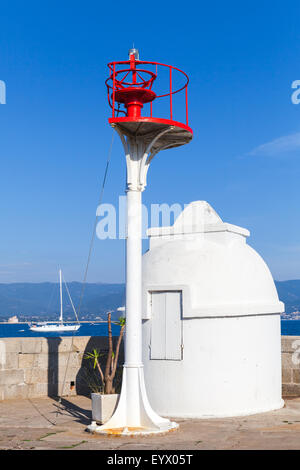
x,y
133,343
133,348
134,414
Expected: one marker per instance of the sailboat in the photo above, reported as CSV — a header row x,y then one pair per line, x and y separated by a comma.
x,y
60,326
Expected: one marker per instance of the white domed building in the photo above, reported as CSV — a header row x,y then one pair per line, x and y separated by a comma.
x,y
211,320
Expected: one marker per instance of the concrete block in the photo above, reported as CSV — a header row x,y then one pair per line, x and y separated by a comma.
x,y
287,361
49,389
290,343
44,361
12,360
27,360
44,345
11,344
11,377
31,345
17,391
48,343
69,359
66,345
286,376
68,374
81,342
57,362
34,376
296,376
9,360
37,390
290,390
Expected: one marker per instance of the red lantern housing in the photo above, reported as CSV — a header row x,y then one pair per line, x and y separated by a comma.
x,y
130,86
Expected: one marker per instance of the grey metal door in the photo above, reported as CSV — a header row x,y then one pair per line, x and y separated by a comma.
x,y
166,325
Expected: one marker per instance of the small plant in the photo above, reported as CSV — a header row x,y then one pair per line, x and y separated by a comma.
x,y
107,377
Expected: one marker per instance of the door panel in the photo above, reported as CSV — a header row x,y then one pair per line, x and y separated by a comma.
x,y
158,326
166,326
173,326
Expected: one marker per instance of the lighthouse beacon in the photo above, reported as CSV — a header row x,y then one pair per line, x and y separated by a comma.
x,y
145,128
211,320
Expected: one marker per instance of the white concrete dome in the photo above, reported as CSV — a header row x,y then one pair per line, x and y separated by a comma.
x,y
211,320
243,278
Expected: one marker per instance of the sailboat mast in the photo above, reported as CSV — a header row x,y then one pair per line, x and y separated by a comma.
x,y
61,304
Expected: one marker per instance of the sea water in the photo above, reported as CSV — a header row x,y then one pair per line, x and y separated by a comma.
x,y
16,330
290,327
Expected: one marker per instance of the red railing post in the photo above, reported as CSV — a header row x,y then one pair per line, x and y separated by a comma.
x,y
114,83
186,107
171,102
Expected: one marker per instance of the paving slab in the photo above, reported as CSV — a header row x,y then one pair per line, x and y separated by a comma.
x,y
46,424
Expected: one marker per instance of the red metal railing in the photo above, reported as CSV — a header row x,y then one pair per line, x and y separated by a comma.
x,y
114,84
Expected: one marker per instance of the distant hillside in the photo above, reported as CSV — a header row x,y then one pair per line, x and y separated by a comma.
x,y
28,300
289,293
42,299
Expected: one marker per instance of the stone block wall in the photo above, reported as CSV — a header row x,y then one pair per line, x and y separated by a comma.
x,y
37,367
290,356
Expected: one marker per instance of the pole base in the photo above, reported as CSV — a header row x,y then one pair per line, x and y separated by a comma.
x,y
134,415
128,431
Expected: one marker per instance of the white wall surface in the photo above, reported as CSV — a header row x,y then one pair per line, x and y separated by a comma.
x,y
230,367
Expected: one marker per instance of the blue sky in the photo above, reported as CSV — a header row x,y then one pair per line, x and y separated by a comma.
x,y
242,58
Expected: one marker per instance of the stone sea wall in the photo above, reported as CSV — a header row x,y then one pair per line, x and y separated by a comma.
x,y
38,367
290,356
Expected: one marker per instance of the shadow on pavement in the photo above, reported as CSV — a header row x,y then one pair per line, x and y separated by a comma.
x,y
66,408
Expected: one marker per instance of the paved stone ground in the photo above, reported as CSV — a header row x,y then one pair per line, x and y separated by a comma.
x,y
35,424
